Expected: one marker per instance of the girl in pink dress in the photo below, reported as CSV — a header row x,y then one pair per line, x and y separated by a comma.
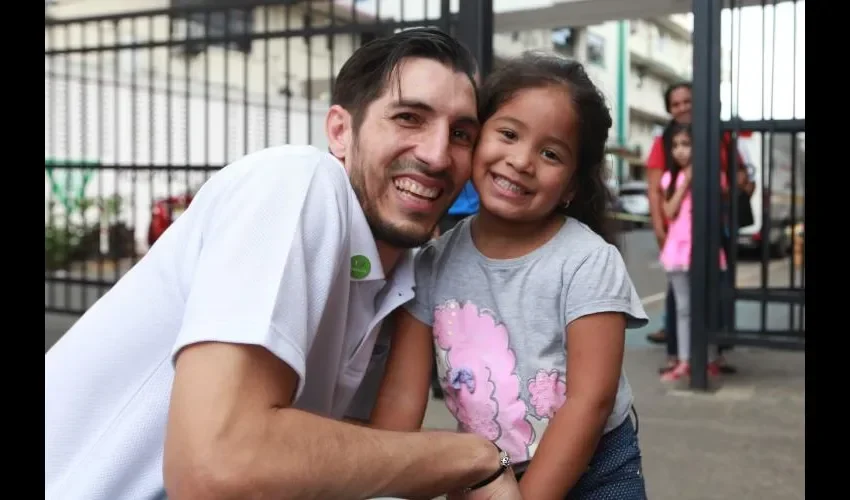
x,y
676,252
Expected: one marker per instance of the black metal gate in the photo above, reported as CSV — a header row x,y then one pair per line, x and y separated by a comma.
x,y
141,107
748,57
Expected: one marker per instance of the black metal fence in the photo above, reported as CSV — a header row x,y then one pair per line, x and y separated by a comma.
x,y
141,107
758,77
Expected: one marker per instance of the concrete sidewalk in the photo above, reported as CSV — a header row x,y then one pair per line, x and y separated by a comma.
x,y
746,440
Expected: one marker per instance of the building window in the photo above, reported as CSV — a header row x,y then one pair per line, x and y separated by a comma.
x,y
564,41
595,49
231,26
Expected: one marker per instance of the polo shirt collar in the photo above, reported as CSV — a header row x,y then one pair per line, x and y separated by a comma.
x,y
365,261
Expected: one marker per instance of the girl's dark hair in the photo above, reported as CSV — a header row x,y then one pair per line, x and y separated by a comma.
x,y
593,199
670,131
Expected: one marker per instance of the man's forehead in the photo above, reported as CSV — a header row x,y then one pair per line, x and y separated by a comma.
x,y
433,83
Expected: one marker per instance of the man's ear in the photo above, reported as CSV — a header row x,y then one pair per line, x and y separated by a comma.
x,y
338,130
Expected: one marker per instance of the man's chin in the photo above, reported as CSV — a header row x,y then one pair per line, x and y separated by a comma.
x,y
400,237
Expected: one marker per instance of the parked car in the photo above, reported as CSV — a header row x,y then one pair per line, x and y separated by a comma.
x,y
632,200
164,212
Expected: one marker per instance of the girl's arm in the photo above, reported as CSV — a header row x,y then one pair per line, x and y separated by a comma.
x,y
403,395
595,345
672,206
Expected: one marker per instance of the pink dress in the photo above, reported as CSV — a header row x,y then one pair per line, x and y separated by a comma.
x,y
676,254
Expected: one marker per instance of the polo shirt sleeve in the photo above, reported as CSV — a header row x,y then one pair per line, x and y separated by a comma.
x,y
601,283
273,245
656,158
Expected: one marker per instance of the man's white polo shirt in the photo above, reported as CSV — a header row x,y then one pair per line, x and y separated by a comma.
x,y
274,251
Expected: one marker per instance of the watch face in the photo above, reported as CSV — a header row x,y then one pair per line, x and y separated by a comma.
x,y
504,459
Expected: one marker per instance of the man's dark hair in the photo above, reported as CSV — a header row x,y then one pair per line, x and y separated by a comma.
x,y
671,89
366,74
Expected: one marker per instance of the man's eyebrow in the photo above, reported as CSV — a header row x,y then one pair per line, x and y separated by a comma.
x,y
413,104
465,120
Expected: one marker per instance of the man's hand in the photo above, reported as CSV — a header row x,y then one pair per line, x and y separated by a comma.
x,y
505,487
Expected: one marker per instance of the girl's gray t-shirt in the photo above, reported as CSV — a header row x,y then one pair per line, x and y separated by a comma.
x,y
499,327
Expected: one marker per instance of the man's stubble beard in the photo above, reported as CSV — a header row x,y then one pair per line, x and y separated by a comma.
x,y
382,229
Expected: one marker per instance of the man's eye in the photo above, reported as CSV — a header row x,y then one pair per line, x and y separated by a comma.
x,y
406,118
462,135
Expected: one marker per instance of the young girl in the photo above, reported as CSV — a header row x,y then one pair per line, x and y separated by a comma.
x,y
527,302
676,252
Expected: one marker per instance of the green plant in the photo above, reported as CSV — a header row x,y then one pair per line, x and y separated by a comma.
x,y
74,234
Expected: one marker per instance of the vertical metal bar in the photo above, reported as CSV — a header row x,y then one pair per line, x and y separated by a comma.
x,y
247,43
266,65
116,95
225,15
734,226
152,132
308,25
767,211
101,119
187,137
332,45
66,166
52,124
792,268
706,147
134,132
446,15
207,119
80,203
475,30
287,77
169,97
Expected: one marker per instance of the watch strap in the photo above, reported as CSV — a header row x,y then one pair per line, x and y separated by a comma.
x,y
504,463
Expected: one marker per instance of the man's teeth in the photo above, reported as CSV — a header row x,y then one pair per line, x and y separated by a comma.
x,y
409,185
508,185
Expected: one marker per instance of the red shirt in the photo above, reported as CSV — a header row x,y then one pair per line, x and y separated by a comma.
x,y
657,159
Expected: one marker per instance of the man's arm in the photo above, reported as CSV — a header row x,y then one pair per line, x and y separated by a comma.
x,y
403,396
231,434
274,239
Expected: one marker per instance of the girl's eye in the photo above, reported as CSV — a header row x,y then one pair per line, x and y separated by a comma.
x,y
508,134
550,155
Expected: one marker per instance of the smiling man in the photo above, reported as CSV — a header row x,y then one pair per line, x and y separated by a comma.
x,y
223,364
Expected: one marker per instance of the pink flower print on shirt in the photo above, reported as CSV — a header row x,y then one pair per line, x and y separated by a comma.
x,y
548,393
483,389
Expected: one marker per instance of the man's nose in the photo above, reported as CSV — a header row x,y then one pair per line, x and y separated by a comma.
x,y
433,150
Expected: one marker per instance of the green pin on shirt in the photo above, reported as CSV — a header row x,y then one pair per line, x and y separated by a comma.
x,y
360,267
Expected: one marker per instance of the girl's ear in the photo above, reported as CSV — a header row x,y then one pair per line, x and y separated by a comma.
x,y
569,193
